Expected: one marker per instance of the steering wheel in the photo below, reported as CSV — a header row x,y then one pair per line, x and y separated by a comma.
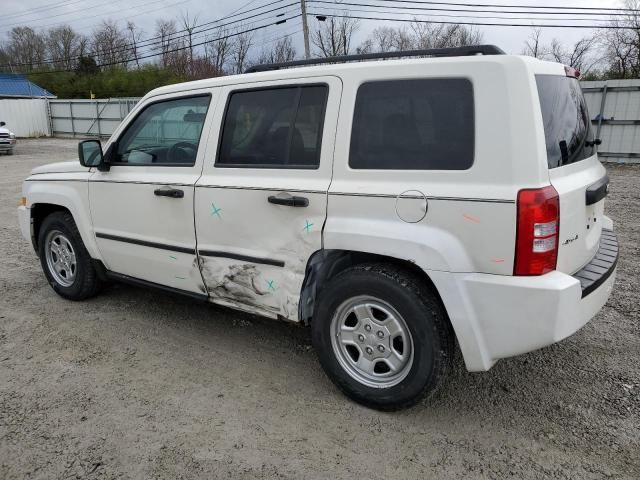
x,y
179,152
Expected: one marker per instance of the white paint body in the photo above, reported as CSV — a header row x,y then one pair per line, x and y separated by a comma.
x,y
7,140
465,242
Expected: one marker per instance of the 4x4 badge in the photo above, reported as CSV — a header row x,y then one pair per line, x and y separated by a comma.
x,y
569,240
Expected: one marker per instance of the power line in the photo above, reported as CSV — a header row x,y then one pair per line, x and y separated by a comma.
x,y
333,2
444,14
41,8
528,25
5,25
548,7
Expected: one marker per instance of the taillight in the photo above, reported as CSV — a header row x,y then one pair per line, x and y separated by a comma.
x,y
537,231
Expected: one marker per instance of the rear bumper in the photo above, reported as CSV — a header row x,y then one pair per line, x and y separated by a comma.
x,y
506,316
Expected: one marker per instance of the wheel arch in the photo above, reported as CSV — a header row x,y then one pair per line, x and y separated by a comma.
x,y
39,212
326,264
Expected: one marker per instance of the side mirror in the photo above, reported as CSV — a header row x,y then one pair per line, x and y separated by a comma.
x,y
90,153
2,124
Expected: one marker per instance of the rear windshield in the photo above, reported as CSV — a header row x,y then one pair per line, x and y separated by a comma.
x,y
567,126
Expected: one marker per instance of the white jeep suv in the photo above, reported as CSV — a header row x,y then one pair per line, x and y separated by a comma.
x,y
7,140
394,206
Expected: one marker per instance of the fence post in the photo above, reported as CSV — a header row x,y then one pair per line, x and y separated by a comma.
x,y
98,119
602,100
73,127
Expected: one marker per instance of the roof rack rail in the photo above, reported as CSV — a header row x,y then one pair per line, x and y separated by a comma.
x,y
432,52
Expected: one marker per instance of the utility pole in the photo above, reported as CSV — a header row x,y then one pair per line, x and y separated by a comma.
x,y
305,28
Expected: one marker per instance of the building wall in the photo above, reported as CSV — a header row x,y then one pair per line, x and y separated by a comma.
x,y
26,117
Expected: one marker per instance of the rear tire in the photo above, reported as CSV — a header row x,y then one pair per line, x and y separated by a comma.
x,y
64,258
382,336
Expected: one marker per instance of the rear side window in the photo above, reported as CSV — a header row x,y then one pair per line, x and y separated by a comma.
x,y
425,124
273,128
567,127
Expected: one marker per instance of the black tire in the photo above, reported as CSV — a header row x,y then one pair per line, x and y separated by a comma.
x,y
86,283
423,314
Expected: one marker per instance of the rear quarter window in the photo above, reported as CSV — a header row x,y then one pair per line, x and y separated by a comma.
x,y
424,124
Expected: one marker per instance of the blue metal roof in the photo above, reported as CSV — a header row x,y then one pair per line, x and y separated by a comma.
x,y
16,85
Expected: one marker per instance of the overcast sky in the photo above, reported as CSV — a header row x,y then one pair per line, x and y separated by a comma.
x,y
84,15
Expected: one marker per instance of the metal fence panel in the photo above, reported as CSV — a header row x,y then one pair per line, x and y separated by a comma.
x,y
26,117
614,106
89,118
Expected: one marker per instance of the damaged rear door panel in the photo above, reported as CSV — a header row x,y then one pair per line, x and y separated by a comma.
x,y
261,204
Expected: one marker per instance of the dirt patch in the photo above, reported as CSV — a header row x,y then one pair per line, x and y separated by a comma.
x,y
138,384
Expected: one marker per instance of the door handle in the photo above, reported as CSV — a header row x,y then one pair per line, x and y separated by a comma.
x,y
169,192
289,201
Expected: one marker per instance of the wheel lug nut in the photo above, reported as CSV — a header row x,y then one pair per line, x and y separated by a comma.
x,y
380,334
361,338
381,348
367,328
369,350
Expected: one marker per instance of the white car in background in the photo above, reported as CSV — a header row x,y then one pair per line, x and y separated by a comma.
x,y
7,139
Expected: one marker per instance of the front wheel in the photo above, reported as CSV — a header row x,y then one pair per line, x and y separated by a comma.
x,y
64,258
382,336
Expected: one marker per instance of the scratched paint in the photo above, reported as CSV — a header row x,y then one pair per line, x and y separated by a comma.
x,y
258,288
470,218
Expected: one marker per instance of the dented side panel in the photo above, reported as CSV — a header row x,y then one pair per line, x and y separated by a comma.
x,y
271,245
252,252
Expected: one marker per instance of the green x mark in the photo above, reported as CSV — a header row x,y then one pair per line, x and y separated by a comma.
x,y
307,225
270,285
215,210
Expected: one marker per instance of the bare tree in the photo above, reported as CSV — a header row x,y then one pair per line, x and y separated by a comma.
x,y
134,37
333,36
282,51
384,39
26,47
218,49
622,44
64,46
421,35
110,45
577,56
533,46
165,32
189,24
241,44
429,35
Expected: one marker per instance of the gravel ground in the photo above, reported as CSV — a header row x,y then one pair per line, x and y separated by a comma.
x,y
137,384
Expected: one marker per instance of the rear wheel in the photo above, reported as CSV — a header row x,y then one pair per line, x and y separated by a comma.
x,y
382,336
64,258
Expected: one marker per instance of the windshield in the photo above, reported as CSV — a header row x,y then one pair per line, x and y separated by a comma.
x,y
567,126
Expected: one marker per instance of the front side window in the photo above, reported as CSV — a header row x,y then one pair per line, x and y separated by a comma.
x,y
273,128
164,133
425,124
